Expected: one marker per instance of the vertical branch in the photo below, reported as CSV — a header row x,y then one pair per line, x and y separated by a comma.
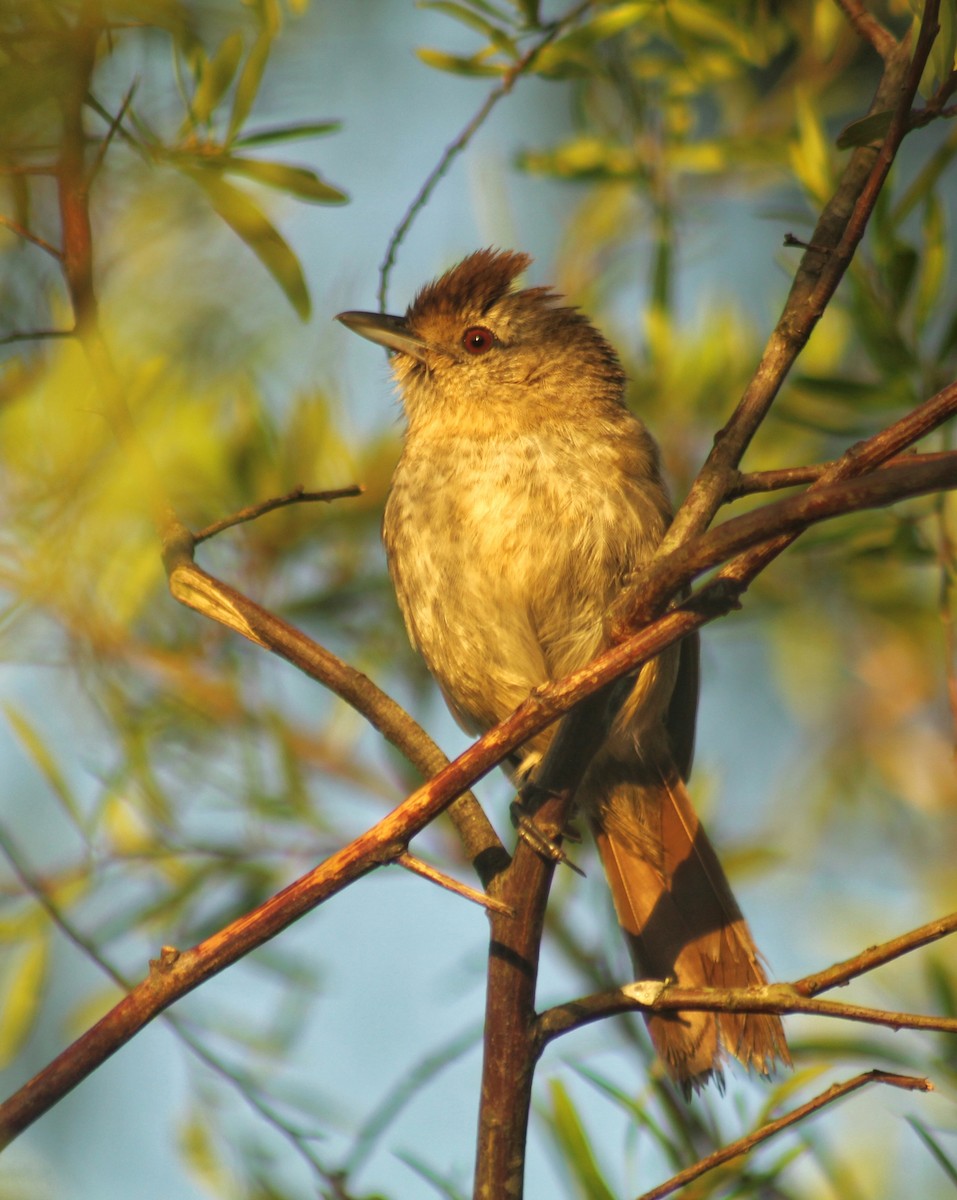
x,y
513,1040
510,1049
73,185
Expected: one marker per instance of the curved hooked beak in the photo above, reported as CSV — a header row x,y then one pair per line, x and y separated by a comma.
x,y
391,332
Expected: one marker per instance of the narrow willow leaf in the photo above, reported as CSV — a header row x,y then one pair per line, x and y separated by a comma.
x,y
573,1140
216,76
933,261
298,181
247,89
43,760
246,219
946,1162
458,65
809,153
498,36
25,971
288,133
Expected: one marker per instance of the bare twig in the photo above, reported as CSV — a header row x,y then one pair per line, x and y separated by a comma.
x,y
867,26
911,1083
781,999
876,956
750,483
298,495
111,132
426,871
40,892
35,335
29,236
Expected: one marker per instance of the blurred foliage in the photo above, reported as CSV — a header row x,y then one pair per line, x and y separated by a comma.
x,y
165,779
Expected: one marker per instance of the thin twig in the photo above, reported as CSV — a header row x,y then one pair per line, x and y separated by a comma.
x,y
216,600
867,26
298,495
29,236
780,999
434,875
750,483
911,1083
111,132
876,956
455,148
35,335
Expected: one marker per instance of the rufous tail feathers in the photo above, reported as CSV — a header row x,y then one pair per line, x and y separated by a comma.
x,y
683,924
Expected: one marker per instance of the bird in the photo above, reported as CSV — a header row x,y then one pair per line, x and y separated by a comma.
x,y
525,502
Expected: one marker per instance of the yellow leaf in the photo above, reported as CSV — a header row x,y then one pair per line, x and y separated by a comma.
x,y
26,968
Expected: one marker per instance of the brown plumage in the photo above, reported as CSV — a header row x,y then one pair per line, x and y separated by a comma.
x,y
525,499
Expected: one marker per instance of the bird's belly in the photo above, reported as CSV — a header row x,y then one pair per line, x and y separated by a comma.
x,y
505,563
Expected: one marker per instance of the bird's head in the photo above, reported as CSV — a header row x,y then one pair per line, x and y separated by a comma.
x,y
471,343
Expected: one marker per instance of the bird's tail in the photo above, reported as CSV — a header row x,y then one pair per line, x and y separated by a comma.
x,y
683,923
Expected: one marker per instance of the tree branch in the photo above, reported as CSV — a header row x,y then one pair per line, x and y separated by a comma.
x,y
252,512
780,998
745,1145
831,248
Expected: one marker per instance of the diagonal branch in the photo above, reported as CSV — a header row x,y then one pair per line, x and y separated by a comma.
x,y
830,250
745,1145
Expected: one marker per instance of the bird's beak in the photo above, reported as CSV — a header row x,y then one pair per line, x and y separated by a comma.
x,y
391,332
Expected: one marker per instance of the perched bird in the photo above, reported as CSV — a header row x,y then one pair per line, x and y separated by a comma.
x,y
525,500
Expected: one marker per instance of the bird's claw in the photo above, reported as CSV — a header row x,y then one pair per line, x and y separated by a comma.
x,y
538,840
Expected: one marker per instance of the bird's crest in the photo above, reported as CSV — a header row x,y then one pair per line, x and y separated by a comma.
x,y
477,283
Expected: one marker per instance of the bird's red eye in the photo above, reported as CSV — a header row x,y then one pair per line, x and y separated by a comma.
x,y
478,339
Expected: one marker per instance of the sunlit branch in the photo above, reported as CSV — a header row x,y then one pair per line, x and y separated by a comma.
x,y
298,495
911,1083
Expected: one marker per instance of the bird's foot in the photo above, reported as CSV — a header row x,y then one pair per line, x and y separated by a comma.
x,y
528,801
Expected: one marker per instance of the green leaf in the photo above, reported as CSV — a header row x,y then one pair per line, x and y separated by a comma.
x,y
946,1163
246,219
940,64
572,1139
933,262
43,760
288,133
941,986
866,130
495,33
215,77
948,341
476,65
298,181
24,974
247,89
